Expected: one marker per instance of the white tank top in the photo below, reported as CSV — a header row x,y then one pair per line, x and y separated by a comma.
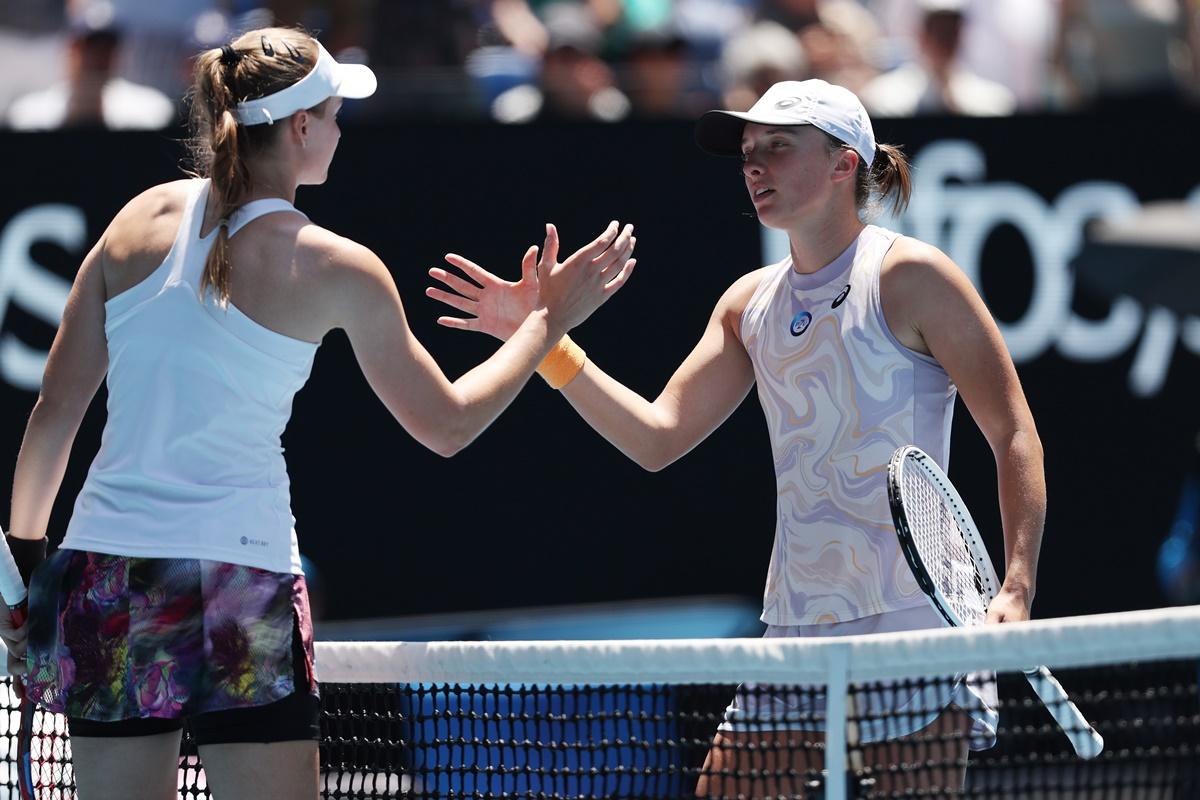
x,y
840,394
190,462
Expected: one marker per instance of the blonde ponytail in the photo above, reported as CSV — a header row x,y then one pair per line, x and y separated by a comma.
x,y
249,68
230,186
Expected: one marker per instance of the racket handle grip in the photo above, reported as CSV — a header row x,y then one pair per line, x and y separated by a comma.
x,y
1084,738
19,613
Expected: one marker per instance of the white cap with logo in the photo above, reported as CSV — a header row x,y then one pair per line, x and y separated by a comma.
x,y
834,109
327,79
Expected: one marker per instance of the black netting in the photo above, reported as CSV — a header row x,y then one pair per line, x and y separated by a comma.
x,y
656,741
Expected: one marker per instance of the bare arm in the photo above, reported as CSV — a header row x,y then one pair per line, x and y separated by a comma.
x,y
77,363
703,392
444,415
706,388
933,308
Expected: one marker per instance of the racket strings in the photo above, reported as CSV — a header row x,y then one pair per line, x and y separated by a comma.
x,y
942,547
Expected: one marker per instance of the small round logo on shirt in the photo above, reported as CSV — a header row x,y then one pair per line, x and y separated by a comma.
x,y
800,323
842,295
244,540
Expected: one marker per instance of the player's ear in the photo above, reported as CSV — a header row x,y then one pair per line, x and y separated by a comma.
x,y
299,125
845,166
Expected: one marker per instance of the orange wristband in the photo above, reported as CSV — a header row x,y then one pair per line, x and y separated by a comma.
x,y
562,363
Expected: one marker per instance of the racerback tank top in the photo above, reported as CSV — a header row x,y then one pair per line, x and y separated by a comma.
x,y
190,462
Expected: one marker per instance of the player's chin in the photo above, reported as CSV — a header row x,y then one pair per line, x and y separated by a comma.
x,y
316,179
770,218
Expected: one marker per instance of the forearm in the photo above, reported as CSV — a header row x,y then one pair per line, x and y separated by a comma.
x,y
634,425
41,465
705,389
1022,491
482,394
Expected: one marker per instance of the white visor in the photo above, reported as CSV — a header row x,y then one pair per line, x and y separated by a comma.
x,y
327,79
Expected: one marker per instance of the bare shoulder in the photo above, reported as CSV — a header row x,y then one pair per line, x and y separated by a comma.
x,y
147,220
909,256
141,234
737,296
733,302
921,287
159,199
910,261
348,273
337,259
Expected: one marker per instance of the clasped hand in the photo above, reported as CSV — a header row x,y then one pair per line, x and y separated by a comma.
x,y
569,291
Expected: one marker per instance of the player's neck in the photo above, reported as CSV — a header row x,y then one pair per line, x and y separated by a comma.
x,y
814,246
272,178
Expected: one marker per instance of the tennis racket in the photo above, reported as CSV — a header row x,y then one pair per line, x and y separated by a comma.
x,y
946,554
12,590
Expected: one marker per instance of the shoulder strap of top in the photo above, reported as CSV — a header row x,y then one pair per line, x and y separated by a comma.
x,y
191,270
184,251
193,215
258,208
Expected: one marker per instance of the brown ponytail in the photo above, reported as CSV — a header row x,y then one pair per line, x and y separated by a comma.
x,y
250,67
888,175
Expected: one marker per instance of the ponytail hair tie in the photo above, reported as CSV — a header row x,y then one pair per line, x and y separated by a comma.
x,y
229,56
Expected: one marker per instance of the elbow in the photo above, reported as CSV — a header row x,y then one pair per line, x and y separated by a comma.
x,y
656,454
447,443
450,438
653,462
447,449
443,428
1025,441
53,410
660,442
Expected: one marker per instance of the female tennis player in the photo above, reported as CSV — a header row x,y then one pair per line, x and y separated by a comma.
x,y
858,342
178,593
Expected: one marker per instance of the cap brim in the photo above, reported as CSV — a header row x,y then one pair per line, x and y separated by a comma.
x,y
720,132
354,81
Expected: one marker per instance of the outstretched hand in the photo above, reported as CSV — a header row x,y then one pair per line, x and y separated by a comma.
x,y
497,307
571,290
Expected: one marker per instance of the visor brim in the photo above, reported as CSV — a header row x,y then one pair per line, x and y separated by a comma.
x,y
353,81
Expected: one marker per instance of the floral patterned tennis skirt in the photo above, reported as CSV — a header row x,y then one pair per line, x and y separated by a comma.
x,y
116,637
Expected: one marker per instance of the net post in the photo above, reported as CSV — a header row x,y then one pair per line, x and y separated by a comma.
x,y
836,691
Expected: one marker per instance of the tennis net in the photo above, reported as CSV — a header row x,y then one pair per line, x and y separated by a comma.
x,y
640,719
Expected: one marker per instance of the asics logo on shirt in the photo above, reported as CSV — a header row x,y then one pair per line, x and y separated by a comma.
x,y
842,295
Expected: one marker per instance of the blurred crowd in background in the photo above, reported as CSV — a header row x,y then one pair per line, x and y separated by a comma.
x,y
126,63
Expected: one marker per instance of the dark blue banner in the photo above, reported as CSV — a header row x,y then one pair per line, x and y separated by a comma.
x,y
540,510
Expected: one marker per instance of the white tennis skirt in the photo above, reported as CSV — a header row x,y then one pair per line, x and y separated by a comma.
x,y
886,710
